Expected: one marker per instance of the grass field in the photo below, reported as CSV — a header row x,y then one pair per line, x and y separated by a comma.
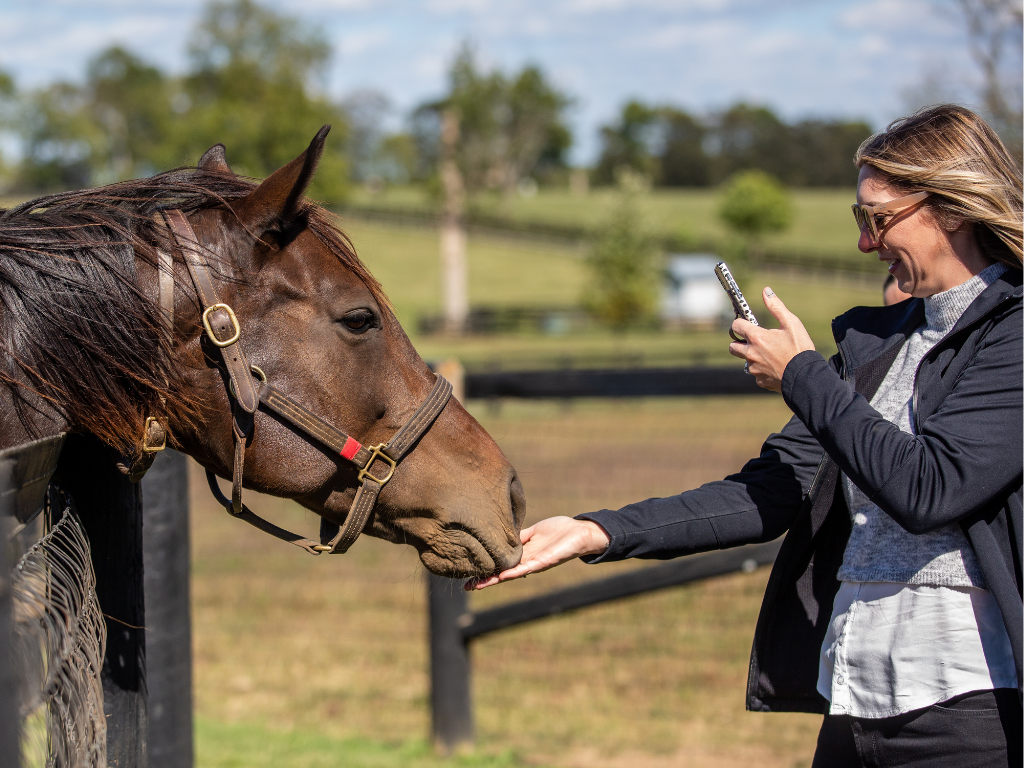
x,y
822,223
514,273
321,662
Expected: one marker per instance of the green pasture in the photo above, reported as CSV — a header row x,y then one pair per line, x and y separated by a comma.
x,y
229,745
822,224
507,272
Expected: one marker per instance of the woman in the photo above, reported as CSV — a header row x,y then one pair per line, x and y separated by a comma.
x,y
894,606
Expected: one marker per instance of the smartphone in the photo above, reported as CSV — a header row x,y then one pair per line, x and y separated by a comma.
x,y
739,304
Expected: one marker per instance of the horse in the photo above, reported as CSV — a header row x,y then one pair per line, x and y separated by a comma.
x,y
233,321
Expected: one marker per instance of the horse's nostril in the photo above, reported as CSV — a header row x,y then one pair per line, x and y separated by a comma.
x,y
517,500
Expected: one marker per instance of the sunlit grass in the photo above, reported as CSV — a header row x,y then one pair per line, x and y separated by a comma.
x,y
288,646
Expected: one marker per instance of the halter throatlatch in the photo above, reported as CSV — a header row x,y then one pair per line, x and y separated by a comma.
x,y
247,392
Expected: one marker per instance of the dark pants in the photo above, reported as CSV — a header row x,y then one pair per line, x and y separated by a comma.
x,y
976,730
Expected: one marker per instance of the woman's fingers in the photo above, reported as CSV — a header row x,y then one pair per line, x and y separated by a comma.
x,y
549,543
776,307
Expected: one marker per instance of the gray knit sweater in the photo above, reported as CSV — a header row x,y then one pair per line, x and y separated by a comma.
x,y
879,549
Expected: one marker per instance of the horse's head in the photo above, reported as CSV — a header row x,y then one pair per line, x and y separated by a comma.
x,y
318,325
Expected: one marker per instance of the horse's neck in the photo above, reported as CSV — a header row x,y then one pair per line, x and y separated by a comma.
x,y
35,420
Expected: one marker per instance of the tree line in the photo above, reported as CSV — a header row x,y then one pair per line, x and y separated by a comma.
x,y
256,81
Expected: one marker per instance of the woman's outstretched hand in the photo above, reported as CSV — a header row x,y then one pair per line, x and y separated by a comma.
x,y
549,543
768,351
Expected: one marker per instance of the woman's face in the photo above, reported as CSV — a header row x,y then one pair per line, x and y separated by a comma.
x,y
920,253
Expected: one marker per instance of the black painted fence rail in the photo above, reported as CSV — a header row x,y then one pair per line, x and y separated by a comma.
x,y
611,382
671,574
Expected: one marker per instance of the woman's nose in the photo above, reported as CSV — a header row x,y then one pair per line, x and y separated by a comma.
x,y
867,243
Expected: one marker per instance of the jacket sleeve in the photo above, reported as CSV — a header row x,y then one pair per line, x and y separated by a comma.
x,y
968,453
755,504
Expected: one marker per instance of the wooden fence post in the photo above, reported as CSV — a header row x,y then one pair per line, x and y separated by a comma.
x,y
450,697
110,509
10,749
168,621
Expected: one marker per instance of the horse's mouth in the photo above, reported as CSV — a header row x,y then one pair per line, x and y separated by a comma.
x,y
458,554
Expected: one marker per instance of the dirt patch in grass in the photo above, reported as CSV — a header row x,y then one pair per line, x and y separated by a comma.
x,y
337,645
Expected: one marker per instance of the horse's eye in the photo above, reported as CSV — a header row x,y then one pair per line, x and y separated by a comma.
x,y
359,320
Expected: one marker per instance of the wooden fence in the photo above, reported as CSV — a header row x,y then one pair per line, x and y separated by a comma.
x,y
140,555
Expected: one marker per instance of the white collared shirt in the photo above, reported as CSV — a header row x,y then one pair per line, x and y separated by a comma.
x,y
892,648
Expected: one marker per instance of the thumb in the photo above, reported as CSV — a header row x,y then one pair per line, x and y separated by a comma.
x,y
776,307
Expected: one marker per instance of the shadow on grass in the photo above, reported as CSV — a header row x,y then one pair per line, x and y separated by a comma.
x,y
223,745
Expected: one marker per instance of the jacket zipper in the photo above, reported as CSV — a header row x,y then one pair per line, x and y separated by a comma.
x,y
943,340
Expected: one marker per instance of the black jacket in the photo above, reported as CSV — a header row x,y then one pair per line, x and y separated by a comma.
x,y
964,465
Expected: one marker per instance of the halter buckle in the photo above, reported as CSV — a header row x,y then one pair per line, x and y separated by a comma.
x,y
146,448
377,452
209,329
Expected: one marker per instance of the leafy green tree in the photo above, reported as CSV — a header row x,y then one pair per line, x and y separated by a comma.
x,y
753,204
253,86
488,132
130,101
625,276
60,139
628,143
683,161
8,111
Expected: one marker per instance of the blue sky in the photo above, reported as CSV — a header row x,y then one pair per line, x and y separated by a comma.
x,y
867,59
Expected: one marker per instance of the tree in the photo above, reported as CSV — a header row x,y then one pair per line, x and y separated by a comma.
x,y
996,32
60,139
488,132
753,204
253,86
628,143
751,137
131,101
365,112
674,148
532,128
683,161
8,102
624,271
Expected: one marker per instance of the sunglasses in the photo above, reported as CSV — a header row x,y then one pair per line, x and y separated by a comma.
x,y
872,218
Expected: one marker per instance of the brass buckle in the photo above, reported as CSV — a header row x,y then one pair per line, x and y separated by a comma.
x,y
145,432
377,452
209,330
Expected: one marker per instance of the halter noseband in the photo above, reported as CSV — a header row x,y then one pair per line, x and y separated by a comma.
x,y
248,393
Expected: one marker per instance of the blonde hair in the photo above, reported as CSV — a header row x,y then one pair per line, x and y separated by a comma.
x,y
951,152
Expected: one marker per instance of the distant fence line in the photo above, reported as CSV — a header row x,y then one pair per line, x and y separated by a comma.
x,y
574,235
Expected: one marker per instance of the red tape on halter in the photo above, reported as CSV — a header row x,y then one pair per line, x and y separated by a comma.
x,y
350,449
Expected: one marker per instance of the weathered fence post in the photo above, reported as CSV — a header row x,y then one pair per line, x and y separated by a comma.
x,y
168,620
450,697
9,723
109,507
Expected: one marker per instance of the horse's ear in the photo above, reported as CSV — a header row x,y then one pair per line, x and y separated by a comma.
x,y
215,159
276,201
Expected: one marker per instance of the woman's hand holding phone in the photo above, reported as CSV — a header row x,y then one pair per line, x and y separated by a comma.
x,y
767,350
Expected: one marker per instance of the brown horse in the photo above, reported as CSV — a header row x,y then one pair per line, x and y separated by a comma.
x,y
87,350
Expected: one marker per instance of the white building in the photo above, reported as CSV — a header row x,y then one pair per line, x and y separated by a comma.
x,y
692,293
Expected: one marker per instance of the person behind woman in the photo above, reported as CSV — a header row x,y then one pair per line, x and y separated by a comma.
x,y
891,293
894,606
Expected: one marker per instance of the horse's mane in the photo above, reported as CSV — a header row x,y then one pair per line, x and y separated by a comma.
x,y
80,336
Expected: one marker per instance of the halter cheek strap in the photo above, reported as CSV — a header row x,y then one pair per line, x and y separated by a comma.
x,y
376,464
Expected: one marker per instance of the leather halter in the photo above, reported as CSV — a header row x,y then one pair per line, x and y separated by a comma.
x,y
247,393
